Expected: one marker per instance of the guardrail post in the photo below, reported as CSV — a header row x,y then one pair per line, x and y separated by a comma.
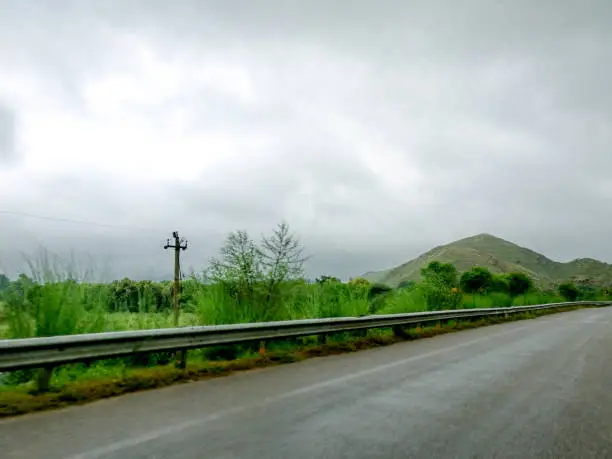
x,y
43,378
399,331
181,359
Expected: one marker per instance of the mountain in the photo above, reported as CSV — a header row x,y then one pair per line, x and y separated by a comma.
x,y
500,256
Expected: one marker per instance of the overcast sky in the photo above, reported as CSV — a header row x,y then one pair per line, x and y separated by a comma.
x,y
377,129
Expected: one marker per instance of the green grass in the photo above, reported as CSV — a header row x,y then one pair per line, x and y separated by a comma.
x,y
3,322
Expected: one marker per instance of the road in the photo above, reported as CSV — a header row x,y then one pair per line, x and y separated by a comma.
x,y
532,389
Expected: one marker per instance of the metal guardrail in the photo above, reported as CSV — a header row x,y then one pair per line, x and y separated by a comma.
x,y
19,354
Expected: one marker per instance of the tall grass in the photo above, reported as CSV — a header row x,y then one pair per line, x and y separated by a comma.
x,y
54,305
405,300
214,306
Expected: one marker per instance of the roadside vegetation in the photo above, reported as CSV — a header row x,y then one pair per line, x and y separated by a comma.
x,y
249,281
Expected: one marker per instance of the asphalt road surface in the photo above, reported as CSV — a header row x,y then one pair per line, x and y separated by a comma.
x,y
531,389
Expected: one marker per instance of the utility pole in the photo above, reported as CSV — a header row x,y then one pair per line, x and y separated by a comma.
x,y
179,244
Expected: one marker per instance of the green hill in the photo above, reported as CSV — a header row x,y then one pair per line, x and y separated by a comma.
x,y
500,256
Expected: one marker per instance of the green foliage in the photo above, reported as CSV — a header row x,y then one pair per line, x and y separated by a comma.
x,y
518,283
407,284
499,256
439,297
439,286
499,284
50,309
489,300
324,279
478,280
251,284
568,291
254,275
360,282
238,268
587,291
500,300
378,290
5,282
405,300
443,274
377,296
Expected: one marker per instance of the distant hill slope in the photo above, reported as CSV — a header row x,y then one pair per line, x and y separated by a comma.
x,y
500,256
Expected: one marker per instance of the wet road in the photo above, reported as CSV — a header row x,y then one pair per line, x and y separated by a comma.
x,y
540,388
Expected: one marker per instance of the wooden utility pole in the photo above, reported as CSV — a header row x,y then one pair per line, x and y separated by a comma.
x,y
179,244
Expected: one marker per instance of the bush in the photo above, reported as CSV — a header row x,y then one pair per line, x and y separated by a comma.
x,y
518,283
568,291
442,274
478,280
439,297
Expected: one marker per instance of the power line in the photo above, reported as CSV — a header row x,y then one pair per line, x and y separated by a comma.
x,y
78,222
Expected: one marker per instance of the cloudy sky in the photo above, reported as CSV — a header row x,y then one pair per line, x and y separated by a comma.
x,y
377,129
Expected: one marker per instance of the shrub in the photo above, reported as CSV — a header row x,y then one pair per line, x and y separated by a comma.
x,y
443,274
518,283
568,291
478,280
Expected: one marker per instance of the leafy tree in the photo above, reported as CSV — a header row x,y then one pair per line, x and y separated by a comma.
x,y
123,295
477,280
587,289
439,286
5,282
360,282
440,273
568,291
256,275
281,256
499,284
518,283
239,267
376,296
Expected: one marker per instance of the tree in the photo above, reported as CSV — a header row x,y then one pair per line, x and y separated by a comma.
x,y
499,284
281,257
439,286
377,296
239,267
569,291
440,273
326,279
518,283
360,282
477,280
5,282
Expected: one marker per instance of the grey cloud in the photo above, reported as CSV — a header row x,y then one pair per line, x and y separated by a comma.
x,y
7,135
497,115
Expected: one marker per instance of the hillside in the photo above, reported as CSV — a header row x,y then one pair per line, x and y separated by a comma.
x,y
500,256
